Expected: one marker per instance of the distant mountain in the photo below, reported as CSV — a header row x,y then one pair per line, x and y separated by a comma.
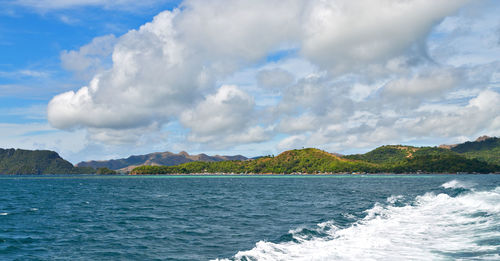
x,y
158,158
17,161
483,148
386,159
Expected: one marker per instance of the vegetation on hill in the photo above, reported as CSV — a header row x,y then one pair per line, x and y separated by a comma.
x,y
293,161
385,155
386,159
105,171
486,149
408,159
17,161
480,156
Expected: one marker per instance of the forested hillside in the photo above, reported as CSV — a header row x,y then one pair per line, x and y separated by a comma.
x,y
17,161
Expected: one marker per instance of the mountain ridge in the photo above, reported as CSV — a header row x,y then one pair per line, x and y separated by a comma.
x,y
156,158
384,159
479,156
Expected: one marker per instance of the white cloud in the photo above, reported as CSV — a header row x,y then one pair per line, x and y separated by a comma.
x,y
342,35
411,91
139,136
304,122
90,58
276,78
367,80
470,38
150,81
224,117
230,108
426,85
292,142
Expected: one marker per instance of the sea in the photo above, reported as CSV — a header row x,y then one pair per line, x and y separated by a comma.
x,y
337,217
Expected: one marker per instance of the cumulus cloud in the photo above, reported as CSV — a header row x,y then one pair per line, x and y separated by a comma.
x,y
371,74
139,136
276,78
342,35
478,115
299,124
224,117
292,142
421,85
90,58
410,91
229,108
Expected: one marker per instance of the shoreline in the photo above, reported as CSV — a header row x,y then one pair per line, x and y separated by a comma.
x,y
237,175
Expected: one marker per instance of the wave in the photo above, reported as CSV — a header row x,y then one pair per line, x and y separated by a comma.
x,y
456,184
431,227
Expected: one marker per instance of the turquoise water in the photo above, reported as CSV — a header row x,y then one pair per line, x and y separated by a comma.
x,y
383,217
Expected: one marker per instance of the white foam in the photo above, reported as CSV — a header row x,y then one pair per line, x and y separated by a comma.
x,y
458,184
394,198
428,229
4,214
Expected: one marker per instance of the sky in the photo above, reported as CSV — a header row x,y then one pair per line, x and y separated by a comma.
x,y
101,79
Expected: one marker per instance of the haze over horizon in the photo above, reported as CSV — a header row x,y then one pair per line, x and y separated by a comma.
x,y
98,79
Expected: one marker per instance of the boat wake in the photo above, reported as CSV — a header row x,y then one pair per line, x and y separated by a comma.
x,y
455,184
430,227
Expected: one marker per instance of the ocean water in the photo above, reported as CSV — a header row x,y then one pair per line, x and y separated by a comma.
x,y
385,217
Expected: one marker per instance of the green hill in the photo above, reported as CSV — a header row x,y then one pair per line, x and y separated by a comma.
x,y
293,161
480,156
386,159
306,161
386,154
17,161
486,149
408,159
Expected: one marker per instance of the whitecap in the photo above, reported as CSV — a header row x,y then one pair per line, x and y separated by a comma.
x,y
349,216
393,199
432,227
454,184
3,213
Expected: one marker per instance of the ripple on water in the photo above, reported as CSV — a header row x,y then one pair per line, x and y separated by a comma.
x,y
278,218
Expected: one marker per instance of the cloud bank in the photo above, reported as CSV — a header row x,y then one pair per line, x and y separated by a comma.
x,y
373,77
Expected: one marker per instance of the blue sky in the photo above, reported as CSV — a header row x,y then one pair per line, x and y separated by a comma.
x,y
95,79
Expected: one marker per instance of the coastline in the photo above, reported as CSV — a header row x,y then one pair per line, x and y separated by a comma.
x,y
123,175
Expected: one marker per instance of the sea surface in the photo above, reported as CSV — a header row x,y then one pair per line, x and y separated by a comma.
x,y
351,217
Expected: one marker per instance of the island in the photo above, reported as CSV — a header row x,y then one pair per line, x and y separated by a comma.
x,y
479,156
19,161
